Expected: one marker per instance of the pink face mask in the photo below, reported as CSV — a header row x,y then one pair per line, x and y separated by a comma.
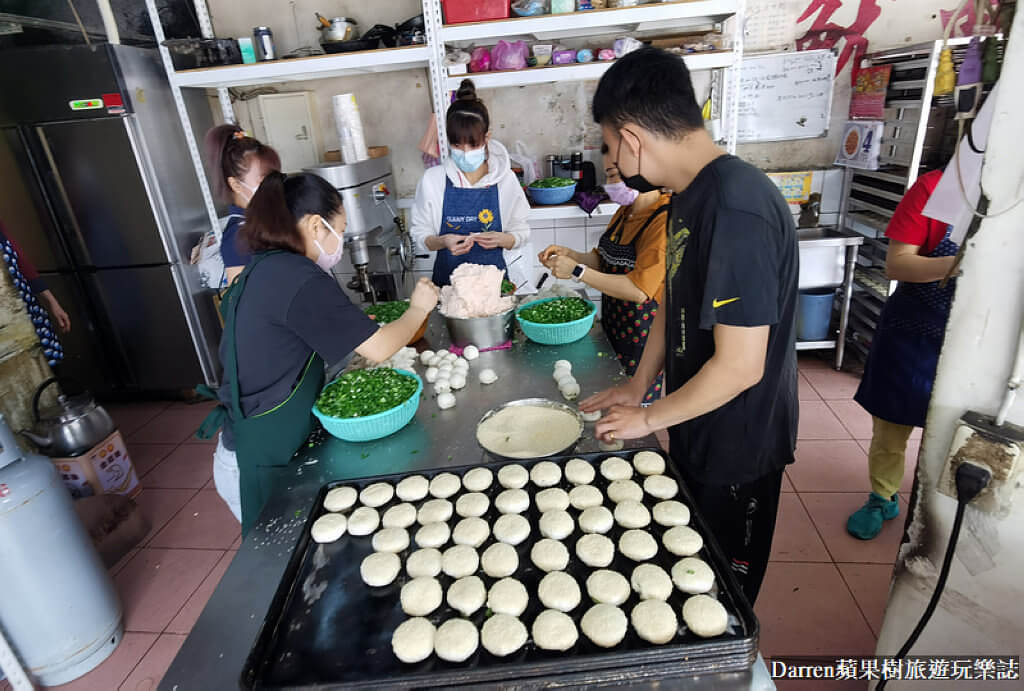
x,y
620,193
327,261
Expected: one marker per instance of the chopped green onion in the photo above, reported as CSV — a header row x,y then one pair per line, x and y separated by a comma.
x,y
557,311
365,392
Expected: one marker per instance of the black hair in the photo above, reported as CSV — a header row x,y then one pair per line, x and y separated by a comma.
x,y
230,154
467,121
280,202
649,87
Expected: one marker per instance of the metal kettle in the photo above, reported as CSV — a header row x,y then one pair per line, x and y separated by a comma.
x,y
72,427
339,29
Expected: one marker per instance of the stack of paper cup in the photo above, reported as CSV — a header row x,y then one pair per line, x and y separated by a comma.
x,y
350,128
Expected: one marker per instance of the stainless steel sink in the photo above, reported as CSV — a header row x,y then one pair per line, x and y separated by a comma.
x,y
823,256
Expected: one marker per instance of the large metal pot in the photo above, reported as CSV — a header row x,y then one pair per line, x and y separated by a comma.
x,y
72,427
483,332
341,29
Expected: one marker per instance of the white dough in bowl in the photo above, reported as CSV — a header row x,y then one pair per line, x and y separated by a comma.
x,y
512,501
445,485
363,521
661,486
412,488
605,625
499,560
340,499
683,541
545,474
585,496
456,640
399,516
424,562
648,463
471,531
478,479
558,590
556,524
413,640
625,490
508,596
328,528
528,431
651,582
551,499
638,545
435,510
421,596
511,528
579,472
705,616
549,555
616,468
472,504
609,587
467,595
654,621
693,576
632,514
487,376
380,568
502,635
433,534
392,540
596,551
459,561
377,494
596,519
513,476
554,630
671,513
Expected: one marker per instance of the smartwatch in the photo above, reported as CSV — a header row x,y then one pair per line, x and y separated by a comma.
x,y
577,272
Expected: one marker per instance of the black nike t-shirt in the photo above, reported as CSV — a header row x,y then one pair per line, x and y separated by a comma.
x,y
732,259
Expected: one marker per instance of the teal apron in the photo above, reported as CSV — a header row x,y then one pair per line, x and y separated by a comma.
x,y
266,442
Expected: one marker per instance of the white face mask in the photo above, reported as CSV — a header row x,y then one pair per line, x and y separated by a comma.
x,y
252,190
327,261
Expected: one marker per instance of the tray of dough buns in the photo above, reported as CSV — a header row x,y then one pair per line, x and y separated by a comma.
x,y
583,569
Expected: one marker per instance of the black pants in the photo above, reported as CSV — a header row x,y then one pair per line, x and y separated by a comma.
x,y
742,519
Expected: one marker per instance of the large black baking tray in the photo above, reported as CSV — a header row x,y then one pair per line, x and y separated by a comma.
x,y
327,629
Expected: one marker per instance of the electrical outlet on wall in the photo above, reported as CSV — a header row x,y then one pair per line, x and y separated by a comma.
x,y
978,439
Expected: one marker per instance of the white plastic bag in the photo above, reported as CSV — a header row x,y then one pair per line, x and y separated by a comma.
x,y
206,256
522,157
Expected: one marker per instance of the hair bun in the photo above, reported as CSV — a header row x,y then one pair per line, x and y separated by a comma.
x,y
467,91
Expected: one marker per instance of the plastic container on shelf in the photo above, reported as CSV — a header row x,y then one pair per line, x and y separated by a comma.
x,y
463,11
563,6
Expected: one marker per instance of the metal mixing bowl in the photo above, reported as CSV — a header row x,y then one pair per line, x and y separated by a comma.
x,y
483,332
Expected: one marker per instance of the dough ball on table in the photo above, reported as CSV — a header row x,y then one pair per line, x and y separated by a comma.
x,y
380,568
413,640
487,376
457,382
648,463
591,417
579,472
478,479
671,513
471,352
625,490
377,494
556,524
435,510
616,468
446,400
508,596
471,531
431,375
412,488
613,445
554,630
654,621
563,378
705,616
596,551
632,514
420,596
499,560
340,499
570,390
605,625
551,499
445,485
467,595
549,555
459,561
638,545
443,353
512,501
513,476
661,486
443,386
651,582
585,496
399,516
472,505
564,364
456,640
597,519
424,562
328,527
558,590
683,541
433,534
609,587
693,576
545,474
511,529
363,521
461,363
502,635
426,355
393,540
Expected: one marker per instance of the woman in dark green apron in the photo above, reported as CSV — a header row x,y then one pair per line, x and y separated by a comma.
x,y
284,318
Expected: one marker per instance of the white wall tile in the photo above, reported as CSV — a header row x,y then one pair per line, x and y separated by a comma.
x,y
832,190
541,238
573,238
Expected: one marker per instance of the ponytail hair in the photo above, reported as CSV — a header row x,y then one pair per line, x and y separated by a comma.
x,y
281,201
230,154
467,121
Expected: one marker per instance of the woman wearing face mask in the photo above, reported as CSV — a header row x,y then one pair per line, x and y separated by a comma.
x,y
627,266
472,209
284,318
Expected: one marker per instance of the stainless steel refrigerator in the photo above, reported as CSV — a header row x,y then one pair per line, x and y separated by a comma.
x,y
99,191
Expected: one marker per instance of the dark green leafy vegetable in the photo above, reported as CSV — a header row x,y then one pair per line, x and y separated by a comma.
x,y
365,392
545,183
557,311
386,312
507,287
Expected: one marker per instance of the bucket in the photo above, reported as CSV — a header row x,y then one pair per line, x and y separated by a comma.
x,y
815,314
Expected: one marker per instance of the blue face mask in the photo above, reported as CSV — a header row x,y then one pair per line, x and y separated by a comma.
x,y
469,161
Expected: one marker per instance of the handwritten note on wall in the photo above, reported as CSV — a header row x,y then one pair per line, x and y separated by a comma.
x,y
785,96
771,24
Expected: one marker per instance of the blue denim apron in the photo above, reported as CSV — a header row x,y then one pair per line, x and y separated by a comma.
x,y
468,210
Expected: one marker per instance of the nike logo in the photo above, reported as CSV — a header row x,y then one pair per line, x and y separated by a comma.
x,y
718,303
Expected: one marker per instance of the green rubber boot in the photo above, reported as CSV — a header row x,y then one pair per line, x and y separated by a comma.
x,y
866,522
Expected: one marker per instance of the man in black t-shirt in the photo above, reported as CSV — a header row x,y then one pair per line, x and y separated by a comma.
x,y
725,334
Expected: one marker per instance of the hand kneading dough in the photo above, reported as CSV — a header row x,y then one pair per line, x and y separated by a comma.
x,y
377,494
558,590
638,545
472,532
467,595
445,485
596,519
625,490
456,640
613,445
654,621
511,529
692,575
591,417
651,582
499,560
584,497
340,499
412,488
435,510
551,499
683,541
605,625
557,524
595,550
545,474
502,635
472,504
328,527
421,596
512,501
433,534
513,476
508,596
632,514
579,472
549,555
616,468
671,513
553,630
363,521
648,463
413,640
424,563
459,561
380,568
609,587
399,516
392,540
661,486
477,479
705,616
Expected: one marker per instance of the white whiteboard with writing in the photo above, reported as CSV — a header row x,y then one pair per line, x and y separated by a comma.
x,y
785,95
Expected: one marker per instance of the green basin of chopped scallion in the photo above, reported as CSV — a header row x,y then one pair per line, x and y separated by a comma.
x,y
557,311
366,392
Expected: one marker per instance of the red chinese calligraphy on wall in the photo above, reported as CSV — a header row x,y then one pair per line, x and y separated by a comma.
x,y
825,33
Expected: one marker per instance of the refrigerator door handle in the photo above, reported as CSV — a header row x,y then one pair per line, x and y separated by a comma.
x,y
65,209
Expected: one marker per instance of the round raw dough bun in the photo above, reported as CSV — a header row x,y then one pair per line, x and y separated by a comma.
x,y
584,497
460,561
654,621
380,568
445,399
661,486
512,501
693,576
413,640
471,532
430,375
546,474
651,582
513,476
556,524
412,488
570,389
487,376
467,595
596,519
549,555
392,540
579,472
551,499
502,635
605,625
328,527
671,513
508,596
553,630
478,479
377,494
649,463
499,560
433,534
340,499
420,596
457,382
595,550
705,616
456,640
632,514
426,355
443,353
363,521
593,416
445,485
435,510
616,468
625,490
563,364
558,590
471,352
511,529
682,541
424,563
638,545
399,516
472,505
609,587
613,445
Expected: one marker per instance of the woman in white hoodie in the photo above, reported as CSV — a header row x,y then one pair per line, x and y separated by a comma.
x,y
472,209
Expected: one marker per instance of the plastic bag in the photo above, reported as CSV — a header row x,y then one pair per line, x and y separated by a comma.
x,y
522,157
480,60
530,8
510,56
